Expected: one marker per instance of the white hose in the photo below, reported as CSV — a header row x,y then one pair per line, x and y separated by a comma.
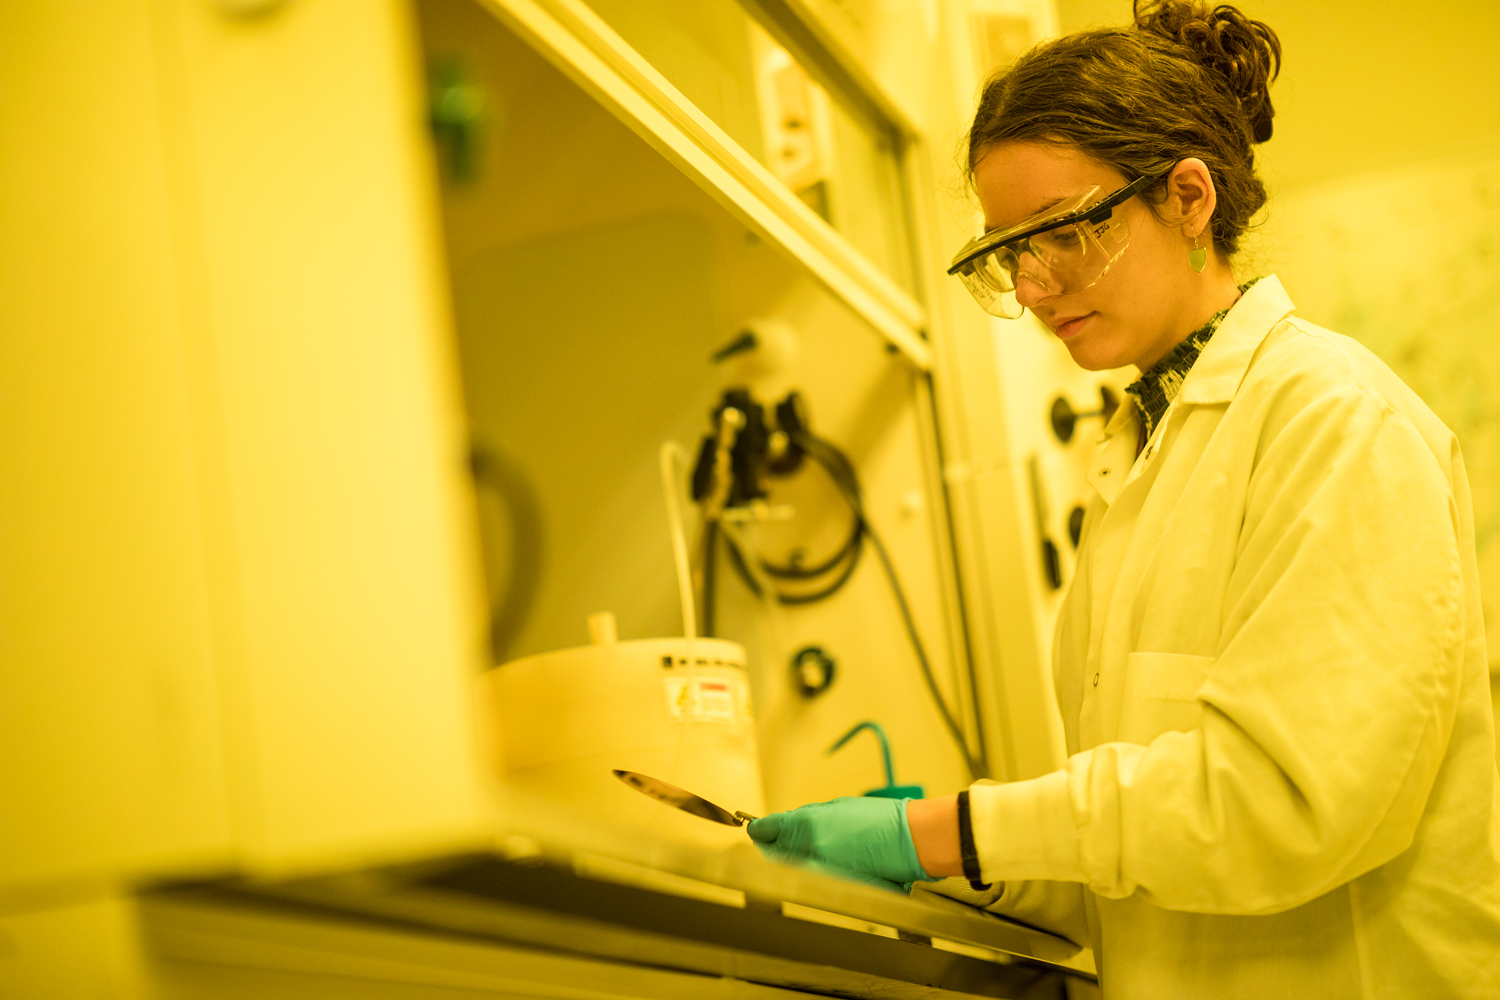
x,y
673,458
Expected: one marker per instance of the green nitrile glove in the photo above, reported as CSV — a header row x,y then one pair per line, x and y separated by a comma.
x,y
862,838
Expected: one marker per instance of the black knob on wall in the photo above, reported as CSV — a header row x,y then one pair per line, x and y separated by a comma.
x,y
812,671
1064,418
1075,525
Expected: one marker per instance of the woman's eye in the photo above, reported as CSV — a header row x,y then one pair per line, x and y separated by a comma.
x,y
1060,239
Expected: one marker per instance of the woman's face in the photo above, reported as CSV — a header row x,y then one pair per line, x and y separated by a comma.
x,y
1134,313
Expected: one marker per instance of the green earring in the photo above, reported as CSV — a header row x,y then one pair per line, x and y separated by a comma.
x,y
1198,257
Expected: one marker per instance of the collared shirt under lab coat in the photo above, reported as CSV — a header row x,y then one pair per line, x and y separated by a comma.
x,y
1271,669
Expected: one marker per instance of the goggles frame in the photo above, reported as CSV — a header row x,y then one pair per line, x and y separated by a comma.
x,y
1016,237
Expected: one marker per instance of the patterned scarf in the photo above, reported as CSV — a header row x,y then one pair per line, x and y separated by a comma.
x,y
1157,387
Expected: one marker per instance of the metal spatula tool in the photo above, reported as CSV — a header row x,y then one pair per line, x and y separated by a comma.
x,y
686,801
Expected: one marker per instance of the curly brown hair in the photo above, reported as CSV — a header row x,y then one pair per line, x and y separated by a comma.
x,y
1185,80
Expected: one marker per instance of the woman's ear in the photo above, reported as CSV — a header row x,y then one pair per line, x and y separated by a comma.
x,y
1190,195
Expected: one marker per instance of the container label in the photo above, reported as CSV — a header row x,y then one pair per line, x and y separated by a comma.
x,y
713,701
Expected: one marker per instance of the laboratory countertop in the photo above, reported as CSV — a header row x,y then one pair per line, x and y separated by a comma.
x,y
548,882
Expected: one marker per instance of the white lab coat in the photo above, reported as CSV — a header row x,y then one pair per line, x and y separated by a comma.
x,y
1271,669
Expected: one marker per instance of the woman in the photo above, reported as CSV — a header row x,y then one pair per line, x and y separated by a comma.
x,y
1271,665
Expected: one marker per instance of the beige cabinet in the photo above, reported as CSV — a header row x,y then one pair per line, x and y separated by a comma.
x,y
111,742
238,594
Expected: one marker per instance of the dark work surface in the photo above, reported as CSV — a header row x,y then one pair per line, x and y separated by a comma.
x,y
754,929
550,908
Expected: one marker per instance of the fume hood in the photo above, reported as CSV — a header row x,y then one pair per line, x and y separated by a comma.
x,y
417,295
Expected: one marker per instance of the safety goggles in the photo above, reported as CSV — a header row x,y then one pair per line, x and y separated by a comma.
x,y
1065,248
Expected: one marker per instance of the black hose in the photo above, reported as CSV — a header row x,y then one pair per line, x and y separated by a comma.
x,y
829,456
710,536
841,471
742,568
975,765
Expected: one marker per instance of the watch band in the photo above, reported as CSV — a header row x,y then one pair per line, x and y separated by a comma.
x,y
966,851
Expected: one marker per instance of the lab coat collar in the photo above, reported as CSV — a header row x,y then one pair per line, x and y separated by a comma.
x,y
1214,378
1220,369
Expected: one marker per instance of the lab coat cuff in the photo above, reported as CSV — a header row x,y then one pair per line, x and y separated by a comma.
x,y
1025,830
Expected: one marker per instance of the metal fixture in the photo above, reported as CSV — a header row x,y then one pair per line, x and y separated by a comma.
x,y
812,671
1051,558
1065,419
457,112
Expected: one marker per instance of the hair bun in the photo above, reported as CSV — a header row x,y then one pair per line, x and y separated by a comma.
x,y
1245,53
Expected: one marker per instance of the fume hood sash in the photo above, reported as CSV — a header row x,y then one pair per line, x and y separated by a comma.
x,y
572,37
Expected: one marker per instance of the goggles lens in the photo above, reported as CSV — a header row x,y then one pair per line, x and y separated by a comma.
x,y
1068,256
992,282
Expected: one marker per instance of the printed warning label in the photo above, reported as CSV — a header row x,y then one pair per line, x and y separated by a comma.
x,y
675,688
713,701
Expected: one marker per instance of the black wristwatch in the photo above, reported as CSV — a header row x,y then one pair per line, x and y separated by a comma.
x,y
967,854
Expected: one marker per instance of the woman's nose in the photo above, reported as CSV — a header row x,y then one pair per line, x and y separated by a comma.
x,y
1029,291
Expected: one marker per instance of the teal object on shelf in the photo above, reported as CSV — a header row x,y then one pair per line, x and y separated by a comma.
x,y
891,790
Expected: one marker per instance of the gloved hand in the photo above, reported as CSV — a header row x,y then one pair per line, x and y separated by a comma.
x,y
862,838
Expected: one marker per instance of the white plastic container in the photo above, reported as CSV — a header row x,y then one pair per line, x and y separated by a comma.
x,y
566,719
